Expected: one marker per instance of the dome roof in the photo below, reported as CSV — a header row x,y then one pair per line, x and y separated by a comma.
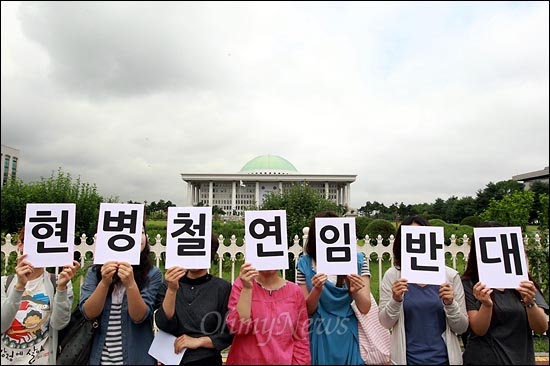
x,y
268,164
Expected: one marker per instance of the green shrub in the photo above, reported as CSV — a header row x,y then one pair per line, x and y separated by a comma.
x,y
472,221
155,227
228,228
381,227
437,222
361,223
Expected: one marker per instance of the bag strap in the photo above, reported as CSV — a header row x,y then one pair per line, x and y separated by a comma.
x,y
8,281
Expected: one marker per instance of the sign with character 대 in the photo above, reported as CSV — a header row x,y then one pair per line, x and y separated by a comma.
x,y
500,256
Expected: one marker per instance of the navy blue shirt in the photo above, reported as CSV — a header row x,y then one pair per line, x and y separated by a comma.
x,y
424,326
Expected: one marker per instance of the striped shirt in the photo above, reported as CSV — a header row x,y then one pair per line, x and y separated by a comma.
x,y
112,349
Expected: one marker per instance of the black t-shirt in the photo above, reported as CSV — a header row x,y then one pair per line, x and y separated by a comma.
x,y
509,339
201,308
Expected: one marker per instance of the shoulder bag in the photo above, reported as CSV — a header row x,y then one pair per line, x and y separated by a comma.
x,y
374,339
75,340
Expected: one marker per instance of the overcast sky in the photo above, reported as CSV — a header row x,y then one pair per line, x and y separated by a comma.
x,y
419,100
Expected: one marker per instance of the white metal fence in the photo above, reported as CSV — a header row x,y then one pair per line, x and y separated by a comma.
x,y
229,250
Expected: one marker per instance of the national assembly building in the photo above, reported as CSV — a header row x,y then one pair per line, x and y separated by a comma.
x,y
235,193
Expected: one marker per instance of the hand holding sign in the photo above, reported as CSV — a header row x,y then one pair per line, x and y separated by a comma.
x,y
172,277
399,288
446,293
247,274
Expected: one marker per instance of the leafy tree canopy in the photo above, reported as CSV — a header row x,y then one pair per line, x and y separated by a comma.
x,y
301,203
58,188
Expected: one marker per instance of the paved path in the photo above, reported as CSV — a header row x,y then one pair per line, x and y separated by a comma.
x,y
541,358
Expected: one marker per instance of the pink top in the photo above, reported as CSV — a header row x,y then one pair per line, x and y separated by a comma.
x,y
277,332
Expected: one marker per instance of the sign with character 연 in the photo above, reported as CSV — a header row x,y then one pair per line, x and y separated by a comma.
x,y
265,239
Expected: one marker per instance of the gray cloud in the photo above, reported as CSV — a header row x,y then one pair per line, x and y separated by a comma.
x,y
421,101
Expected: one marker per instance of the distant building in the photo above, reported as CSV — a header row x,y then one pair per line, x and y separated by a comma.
x,y
234,193
531,177
10,157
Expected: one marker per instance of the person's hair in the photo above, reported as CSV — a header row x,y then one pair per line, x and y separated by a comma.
x,y
141,270
215,244
311,245
416,219
21,234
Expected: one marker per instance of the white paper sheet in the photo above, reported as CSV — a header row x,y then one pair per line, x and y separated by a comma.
x,y
162,349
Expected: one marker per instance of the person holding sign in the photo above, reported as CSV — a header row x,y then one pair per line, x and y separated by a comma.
x,y
425,319
268,318
33,311
502,320
122,297
193,308
333,329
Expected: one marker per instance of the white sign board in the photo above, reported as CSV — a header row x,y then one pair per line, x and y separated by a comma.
x,y
336,245
501,261
188,237
119,232
49,234
423,254
265,239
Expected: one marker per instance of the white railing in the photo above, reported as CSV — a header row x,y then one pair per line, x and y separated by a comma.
x,y
229,247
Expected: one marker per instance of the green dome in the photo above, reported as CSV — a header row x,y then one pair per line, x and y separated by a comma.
x,y
268,164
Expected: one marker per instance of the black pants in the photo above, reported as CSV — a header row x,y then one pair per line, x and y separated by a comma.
x,y
209,361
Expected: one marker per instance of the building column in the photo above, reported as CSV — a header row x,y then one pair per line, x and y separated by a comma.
x,y
210,193
348,195
233,197
257,194
326,190
345,195
189,194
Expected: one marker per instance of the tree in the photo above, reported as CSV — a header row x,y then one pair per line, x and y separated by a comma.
x,y
497,192
301,203
540,189
543,213
58,188
512,210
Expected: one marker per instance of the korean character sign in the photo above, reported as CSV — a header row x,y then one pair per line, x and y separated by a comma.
x,y
189,232
423,254
265,239
49,234
501,258
119,233
336,245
